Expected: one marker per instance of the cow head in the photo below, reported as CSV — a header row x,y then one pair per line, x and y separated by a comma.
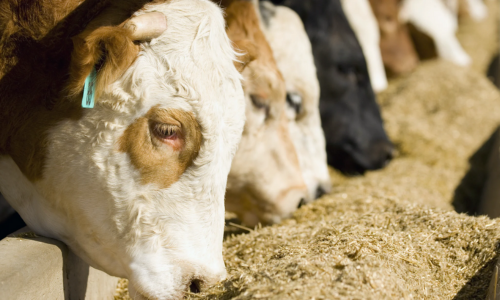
x,y
135,186
398,52
433,27
284,28
265,183
355,137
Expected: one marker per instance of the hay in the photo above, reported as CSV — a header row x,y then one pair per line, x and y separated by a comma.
x,y
441,113
480,39
357,246
121,292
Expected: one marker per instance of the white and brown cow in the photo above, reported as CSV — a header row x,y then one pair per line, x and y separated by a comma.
x,y
284,28
433,19
396,46
364,24
135,186
265,183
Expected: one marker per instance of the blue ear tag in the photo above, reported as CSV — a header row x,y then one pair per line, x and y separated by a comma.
x,y
89,90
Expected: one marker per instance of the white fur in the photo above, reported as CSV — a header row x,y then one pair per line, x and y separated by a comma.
x,y
364,24
91,197
434,19
292,51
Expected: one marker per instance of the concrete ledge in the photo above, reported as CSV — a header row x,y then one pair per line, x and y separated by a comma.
x,y
40,268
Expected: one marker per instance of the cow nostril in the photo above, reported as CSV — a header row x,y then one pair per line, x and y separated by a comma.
x,y
195,286
389,156
320,192
302,202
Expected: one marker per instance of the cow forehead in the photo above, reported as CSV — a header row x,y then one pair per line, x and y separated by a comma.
x,y
262,76
296,63
189,67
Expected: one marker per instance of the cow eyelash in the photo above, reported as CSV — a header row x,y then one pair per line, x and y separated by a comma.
x,y
165,131
260,104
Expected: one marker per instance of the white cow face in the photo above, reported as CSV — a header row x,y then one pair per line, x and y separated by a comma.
x,y
135,186
284,28
265,183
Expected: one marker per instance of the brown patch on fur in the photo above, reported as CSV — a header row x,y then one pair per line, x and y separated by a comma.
x,y
159,162
398,52
263,77
35,55
249,53
110,49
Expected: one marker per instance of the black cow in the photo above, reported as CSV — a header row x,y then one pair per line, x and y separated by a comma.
x,y
355,136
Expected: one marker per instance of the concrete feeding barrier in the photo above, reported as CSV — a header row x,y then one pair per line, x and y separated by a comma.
x,y
36,267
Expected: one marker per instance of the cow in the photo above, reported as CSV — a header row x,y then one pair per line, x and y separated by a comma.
x,y
265,183
398,52
135,184
356,140
364,24
283,28
432,19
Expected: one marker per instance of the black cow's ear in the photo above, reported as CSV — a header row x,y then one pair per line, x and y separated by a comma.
x,y
248,51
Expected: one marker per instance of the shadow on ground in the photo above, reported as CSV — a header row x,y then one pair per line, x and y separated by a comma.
x,y
477,286
467,195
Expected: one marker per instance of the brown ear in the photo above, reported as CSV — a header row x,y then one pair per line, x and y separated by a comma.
x,y
249,53
226,3
110,49
223,3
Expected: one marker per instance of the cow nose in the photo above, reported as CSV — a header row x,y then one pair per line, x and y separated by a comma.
x,y
195,286
381,153
320,191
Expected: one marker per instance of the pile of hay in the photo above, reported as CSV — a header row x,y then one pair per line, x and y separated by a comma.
x,y
480,39
358,246
438,117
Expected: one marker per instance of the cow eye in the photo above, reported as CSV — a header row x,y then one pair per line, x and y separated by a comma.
x,y
259,103
165,131
294,101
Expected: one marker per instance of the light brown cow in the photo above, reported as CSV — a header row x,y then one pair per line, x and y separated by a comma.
x,y
265,183
398,52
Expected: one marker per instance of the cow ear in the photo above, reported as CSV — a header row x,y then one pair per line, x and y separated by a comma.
x,y
109,49
223,3
226,3
248,51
